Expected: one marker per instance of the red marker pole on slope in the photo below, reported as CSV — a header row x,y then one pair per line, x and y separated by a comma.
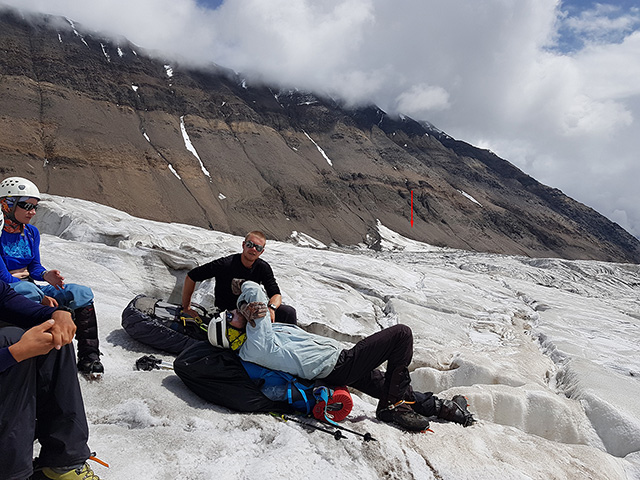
x,y
411,208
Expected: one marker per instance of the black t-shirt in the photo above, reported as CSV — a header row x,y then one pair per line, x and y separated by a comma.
x,y
226,269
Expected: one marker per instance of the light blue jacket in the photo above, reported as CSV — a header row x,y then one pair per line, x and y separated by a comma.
x,y
284,347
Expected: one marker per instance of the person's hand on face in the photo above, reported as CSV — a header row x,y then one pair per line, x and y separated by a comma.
x,y
252,311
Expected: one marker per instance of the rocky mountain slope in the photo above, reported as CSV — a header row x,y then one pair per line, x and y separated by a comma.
x,y
92,116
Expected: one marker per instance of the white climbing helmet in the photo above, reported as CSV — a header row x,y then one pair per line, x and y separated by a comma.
x,y
224,330
18,187
217,331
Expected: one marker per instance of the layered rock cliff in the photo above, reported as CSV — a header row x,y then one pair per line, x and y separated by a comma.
x,y
91,116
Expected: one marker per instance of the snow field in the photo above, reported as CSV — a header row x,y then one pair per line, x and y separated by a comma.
x,y
543,349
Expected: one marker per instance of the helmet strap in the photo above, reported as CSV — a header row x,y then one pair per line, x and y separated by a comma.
x,y
11,225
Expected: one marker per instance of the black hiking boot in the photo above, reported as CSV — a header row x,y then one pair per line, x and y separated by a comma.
x,y
403,416
90,365
427,404
88,345
455,410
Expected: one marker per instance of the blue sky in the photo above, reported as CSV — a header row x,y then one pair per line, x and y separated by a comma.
x,y
210,3
578,27
550,86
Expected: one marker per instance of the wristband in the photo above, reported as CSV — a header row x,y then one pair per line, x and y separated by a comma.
x,y
272,307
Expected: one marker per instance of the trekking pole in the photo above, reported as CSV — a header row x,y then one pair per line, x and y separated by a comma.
x,y
337,434
365,436
150,362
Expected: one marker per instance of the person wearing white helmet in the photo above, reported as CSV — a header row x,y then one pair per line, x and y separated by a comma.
x,y
21,268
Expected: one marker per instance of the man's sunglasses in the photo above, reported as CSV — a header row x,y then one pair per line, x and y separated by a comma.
x,y
27,206
250,244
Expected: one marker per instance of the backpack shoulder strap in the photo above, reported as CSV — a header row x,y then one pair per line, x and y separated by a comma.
x,y
308,400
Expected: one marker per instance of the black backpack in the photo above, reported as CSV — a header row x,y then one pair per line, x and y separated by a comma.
x,y
158,324
217,375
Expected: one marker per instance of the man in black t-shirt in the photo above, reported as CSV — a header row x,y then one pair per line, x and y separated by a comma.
x,y
246,266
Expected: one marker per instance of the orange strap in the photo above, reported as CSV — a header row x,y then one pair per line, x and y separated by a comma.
x,y
95,459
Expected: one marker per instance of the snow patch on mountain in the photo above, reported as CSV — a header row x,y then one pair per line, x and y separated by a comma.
x,y
191,148
466,195
322,152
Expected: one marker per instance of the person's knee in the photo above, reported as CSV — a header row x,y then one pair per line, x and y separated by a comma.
x,y
286,314
403,332
29,290
74,296
403,336
10,335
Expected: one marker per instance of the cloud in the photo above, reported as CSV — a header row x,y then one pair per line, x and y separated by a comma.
x,y
604,23
492,73
422,98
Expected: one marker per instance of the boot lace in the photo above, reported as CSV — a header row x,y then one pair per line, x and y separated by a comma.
x,y
87,472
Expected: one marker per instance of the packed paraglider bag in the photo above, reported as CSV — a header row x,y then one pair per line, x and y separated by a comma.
x,y
218,375
162,325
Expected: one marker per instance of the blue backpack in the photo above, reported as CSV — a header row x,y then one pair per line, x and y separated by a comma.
x,y
283,387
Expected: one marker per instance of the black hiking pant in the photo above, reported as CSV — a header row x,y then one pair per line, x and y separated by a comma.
x,y
357,367
40,399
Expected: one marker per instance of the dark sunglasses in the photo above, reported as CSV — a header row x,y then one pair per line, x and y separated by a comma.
x,y
27,206
250,244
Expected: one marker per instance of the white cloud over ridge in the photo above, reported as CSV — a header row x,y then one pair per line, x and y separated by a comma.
x,y
490,73
420,98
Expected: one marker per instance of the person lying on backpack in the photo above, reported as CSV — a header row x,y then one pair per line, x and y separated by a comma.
x,y
40,396
240,266
313,357
20,268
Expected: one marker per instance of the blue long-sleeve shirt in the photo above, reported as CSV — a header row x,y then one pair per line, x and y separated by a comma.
x,y
20,311
20,250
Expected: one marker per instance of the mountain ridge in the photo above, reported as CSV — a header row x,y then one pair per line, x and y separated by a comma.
x,y
87,116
